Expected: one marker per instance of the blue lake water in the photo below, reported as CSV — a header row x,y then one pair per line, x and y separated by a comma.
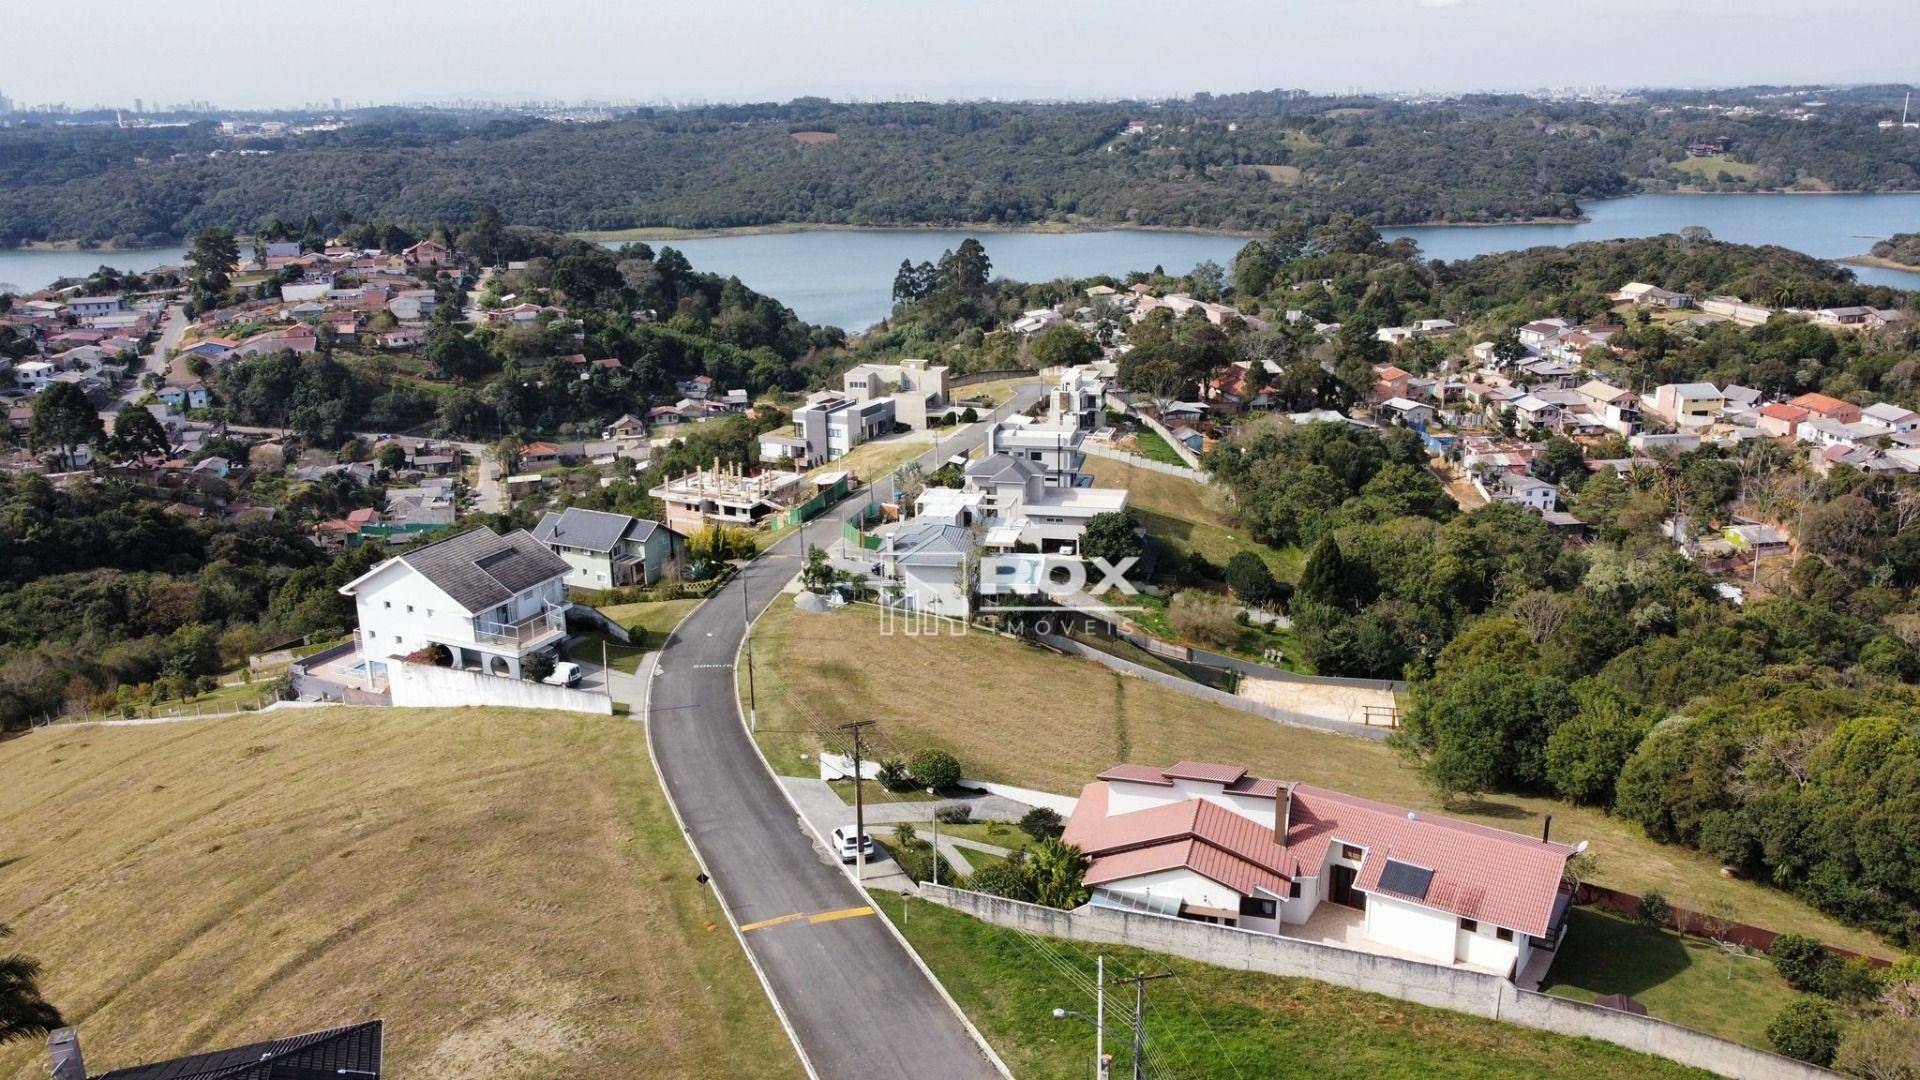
x,y
844,277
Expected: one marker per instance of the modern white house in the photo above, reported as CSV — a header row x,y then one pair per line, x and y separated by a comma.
x,y
1211,843
492,600
609,551
1021,504
928,561
917,389
828,426
1078,399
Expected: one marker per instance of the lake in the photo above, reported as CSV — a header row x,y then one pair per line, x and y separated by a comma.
x,y
844,277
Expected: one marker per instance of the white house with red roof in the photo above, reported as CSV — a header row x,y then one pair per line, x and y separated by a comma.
x,y
1211,843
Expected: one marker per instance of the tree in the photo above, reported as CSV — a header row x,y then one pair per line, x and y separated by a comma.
x,y
1251,580
1111,536
1881,1048
1805,1030
1330,578
1058,871
536,666
816,574
211,257
934,768
63,419
1801,961
23,1012
1064,345
1586,753
392,457
1042,823
506,453
138,432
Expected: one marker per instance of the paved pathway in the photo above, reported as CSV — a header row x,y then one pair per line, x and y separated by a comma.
x,y
856,999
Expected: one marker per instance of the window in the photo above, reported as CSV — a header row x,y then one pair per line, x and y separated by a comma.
x,y
1351,853
1503,933
386,604
1293,890
1469,925
409,609
1257,907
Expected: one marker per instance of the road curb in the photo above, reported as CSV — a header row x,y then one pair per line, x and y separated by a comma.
x,y
766,985
979,1039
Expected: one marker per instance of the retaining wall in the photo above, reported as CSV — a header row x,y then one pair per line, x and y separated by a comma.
x,y
426,686
1208,693
1452,988
1198,476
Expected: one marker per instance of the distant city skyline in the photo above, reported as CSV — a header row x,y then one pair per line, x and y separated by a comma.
x,y
759,50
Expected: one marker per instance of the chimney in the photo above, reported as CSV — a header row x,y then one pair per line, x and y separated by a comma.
x,y
64,1047
1546,829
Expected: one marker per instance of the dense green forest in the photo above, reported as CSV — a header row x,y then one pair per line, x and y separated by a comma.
x,y
1244,161
1900,247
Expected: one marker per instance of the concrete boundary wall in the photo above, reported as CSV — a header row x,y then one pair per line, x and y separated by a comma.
x,y
1153,423
427,686
1198,476
1208,693
1457,989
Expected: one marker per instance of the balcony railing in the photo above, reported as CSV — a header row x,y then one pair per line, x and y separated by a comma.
x,y
525,634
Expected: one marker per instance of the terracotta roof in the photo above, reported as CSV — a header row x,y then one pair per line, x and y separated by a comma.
x,y
1479,873
1819,402
1782,411
1204,837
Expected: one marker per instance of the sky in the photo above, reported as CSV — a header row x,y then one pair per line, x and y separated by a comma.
x,y
274,52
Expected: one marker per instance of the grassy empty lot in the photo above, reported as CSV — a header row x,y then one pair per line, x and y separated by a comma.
x,y
1021,715
654,619
995,391
871,460
1189,516
1686,980
1209,1021
506,889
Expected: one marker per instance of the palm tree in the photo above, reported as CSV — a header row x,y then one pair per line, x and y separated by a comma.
x,y
1058,872
23,1012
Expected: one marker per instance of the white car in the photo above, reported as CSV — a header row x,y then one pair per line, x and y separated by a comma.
x,y
843,845
565,673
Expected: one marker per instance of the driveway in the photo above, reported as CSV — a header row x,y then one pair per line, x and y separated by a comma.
x,y
856,1001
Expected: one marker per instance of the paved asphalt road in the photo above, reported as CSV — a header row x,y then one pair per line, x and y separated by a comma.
x,y
858,1004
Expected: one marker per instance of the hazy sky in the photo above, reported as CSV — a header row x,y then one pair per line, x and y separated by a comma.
x,y
275,52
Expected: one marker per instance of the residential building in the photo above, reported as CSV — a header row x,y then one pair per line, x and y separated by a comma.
x,y
491,600
1688,404
1544,332
928,562
1617,410
87,307
829,425
351,1051
1843,316
1054,451
1406,413
1645,295
1781,419
609,551
1738,310
720,496
1890,418
918,389
1078,400
1027,502
1519,490
1825,407
1211,843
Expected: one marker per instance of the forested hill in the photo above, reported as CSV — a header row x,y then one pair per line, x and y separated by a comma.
x,y
1241,162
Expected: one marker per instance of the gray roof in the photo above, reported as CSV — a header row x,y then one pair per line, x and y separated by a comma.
x,y
931,542
481,569
592,530
1002,468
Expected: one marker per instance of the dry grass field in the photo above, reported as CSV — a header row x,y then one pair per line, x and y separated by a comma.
x,y
1021,715
506,889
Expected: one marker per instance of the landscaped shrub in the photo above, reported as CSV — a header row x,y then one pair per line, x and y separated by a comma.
x,y
1882,1047
1008,879
893,775
1203,617
536,667
1042,823
1250,580
1805,1030
918,861
958,814
1654,909
1849,981
1801,960
934,768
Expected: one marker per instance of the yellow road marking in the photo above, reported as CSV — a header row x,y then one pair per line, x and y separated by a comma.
x,y
843,913
771,922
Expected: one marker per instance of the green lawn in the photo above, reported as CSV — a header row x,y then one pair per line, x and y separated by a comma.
x,y
1210,1021
650,621
1690,981
1004,834
1186,516
1148,444
592,647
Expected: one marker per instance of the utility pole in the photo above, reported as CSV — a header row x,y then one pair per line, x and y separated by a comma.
x,y
1140,1019
1100,1017
859,805
753,703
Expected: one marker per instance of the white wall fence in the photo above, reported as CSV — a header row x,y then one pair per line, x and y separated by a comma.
x,y
428,686
1198,476
1457,989
1160,429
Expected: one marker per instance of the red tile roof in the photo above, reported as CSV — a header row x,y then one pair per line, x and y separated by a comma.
x,y
1784,412
1479,872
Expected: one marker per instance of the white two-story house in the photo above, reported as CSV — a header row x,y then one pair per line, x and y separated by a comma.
x,y
492,600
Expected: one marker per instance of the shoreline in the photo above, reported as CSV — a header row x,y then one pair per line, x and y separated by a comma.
x,y
1870,259
652,234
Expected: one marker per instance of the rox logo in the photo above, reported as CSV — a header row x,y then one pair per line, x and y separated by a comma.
x,y
1053,575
